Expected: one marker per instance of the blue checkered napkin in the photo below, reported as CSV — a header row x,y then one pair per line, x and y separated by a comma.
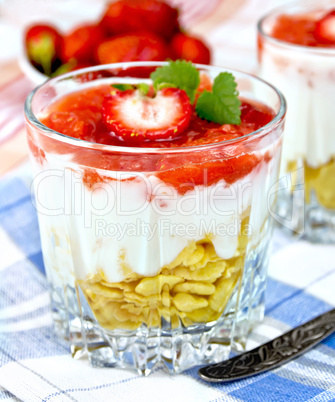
x,y
36,366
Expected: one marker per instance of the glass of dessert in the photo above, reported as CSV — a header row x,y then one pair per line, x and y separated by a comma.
x,y
297,54
154,184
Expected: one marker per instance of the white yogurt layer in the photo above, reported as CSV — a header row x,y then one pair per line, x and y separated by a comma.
x,y
307,80
142,223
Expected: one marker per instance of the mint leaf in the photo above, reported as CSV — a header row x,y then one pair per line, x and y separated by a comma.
x,y
143,88
209,108
181,74
222,104
122,87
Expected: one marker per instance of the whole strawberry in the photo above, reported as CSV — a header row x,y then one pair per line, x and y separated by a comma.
x,y
142,46
189,48
44,46
125,16
81,42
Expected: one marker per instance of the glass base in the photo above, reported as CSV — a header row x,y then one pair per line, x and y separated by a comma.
x,y
177,349
309,221
143,350
244,326
306,202
252,300
319,223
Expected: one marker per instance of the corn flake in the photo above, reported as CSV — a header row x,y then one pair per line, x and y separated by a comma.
x,y
186,302
197,288
154,285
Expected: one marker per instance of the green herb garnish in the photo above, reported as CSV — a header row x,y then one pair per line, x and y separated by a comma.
x,y
180,74
222,105
143,88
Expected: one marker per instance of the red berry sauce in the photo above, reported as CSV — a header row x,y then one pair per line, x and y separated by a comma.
x,y
78,115
306,29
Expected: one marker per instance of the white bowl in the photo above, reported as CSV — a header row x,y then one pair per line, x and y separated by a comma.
x,y
35,76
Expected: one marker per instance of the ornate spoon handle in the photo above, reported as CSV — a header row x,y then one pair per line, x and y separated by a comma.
x,y
274,353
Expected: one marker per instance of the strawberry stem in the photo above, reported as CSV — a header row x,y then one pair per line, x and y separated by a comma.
x,y
42,52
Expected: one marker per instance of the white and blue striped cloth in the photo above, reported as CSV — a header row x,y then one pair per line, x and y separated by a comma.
x,y
36,366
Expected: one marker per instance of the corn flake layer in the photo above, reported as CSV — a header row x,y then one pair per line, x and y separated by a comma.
x,y
194,288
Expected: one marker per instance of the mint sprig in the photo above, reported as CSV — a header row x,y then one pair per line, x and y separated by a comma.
x,y
143,88
180,74
222,105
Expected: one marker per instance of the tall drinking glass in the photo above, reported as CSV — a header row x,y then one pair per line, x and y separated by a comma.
x,y
142,270
306,76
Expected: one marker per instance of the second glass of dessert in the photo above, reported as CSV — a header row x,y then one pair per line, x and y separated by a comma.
x,y
297,54
154,184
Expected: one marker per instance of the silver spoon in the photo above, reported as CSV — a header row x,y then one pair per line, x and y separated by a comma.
x,y
273,353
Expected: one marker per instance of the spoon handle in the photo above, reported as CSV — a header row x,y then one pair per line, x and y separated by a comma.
x,y
274,353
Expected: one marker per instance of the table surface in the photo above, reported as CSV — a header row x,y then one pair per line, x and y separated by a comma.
x,y
34,364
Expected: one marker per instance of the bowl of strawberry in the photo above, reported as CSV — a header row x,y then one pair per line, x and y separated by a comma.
x,y
154,184
129,30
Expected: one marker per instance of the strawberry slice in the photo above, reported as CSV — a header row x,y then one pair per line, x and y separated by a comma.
x,y
44,45
325,29
135,117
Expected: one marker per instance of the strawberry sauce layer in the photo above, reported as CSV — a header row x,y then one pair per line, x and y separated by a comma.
x,y
79,115
312,30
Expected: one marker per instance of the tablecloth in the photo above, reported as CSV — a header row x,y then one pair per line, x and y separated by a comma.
x,y
36,366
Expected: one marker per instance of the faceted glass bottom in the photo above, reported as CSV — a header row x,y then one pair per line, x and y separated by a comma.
x,y
177,348
307,205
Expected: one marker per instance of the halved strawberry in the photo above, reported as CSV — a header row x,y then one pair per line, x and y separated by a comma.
x,y
125,16
325,29
80,43
135,117
189,48
143,46
43,45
